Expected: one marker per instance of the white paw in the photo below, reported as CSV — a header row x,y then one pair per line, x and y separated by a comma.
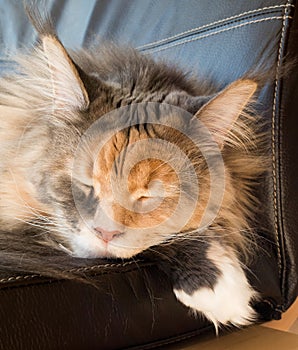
x,y
229,300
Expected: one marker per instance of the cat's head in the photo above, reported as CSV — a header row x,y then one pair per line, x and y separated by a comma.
x,y
131,178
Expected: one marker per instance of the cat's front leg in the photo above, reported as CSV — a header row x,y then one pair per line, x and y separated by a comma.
x,y
223,294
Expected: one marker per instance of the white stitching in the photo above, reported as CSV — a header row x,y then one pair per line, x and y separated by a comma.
x,y
91,268
211,24
80,269
213,33
273,136
16,278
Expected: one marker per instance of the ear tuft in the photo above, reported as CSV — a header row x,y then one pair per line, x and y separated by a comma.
x,y
40,20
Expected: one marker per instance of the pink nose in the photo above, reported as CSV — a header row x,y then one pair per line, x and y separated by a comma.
x,y
107,235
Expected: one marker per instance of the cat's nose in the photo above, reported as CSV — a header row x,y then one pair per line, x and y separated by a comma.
x,y
107,235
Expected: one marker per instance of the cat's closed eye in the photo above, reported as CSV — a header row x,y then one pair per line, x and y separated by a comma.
x,y
83,185
144,198
87,187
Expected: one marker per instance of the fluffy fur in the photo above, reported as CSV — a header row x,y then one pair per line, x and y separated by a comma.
x,y
47,105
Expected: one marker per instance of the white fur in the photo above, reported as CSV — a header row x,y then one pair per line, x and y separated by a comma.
x,y
89,245
228,301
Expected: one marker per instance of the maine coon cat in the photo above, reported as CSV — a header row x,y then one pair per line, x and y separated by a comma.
x,y
59,192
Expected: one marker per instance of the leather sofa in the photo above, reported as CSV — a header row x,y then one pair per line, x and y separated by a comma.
x,y
133,306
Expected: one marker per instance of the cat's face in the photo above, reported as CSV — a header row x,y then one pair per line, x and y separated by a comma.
x,y
136,190
128,211
145,183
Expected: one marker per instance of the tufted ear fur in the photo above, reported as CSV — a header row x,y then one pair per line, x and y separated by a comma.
x,y
221,113
68,89
68,92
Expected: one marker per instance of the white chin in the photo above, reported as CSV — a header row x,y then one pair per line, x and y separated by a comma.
x,y
105,254
122,253
95,248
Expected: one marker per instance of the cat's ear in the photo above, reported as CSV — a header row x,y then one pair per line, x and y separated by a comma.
x,y
222,111
68,89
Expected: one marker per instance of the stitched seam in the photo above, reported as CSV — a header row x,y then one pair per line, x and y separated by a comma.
x,y
217,32
48,280
273,140
274,307
75,270
212,24
208,28
17,278
269,303
91,268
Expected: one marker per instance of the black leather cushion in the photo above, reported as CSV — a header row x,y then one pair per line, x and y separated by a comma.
x,y
134,304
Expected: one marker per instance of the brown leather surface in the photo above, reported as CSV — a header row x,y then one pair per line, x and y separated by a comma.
x,y
129,306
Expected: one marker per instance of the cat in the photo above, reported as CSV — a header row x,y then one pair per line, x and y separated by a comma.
x,y
64,197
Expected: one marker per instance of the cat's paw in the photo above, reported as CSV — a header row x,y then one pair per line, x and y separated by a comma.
x,y
228,302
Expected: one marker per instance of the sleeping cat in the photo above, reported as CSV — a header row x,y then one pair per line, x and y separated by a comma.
x,y
108,153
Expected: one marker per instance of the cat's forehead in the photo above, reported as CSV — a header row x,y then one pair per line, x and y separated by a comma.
x,y
125,155
114,149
